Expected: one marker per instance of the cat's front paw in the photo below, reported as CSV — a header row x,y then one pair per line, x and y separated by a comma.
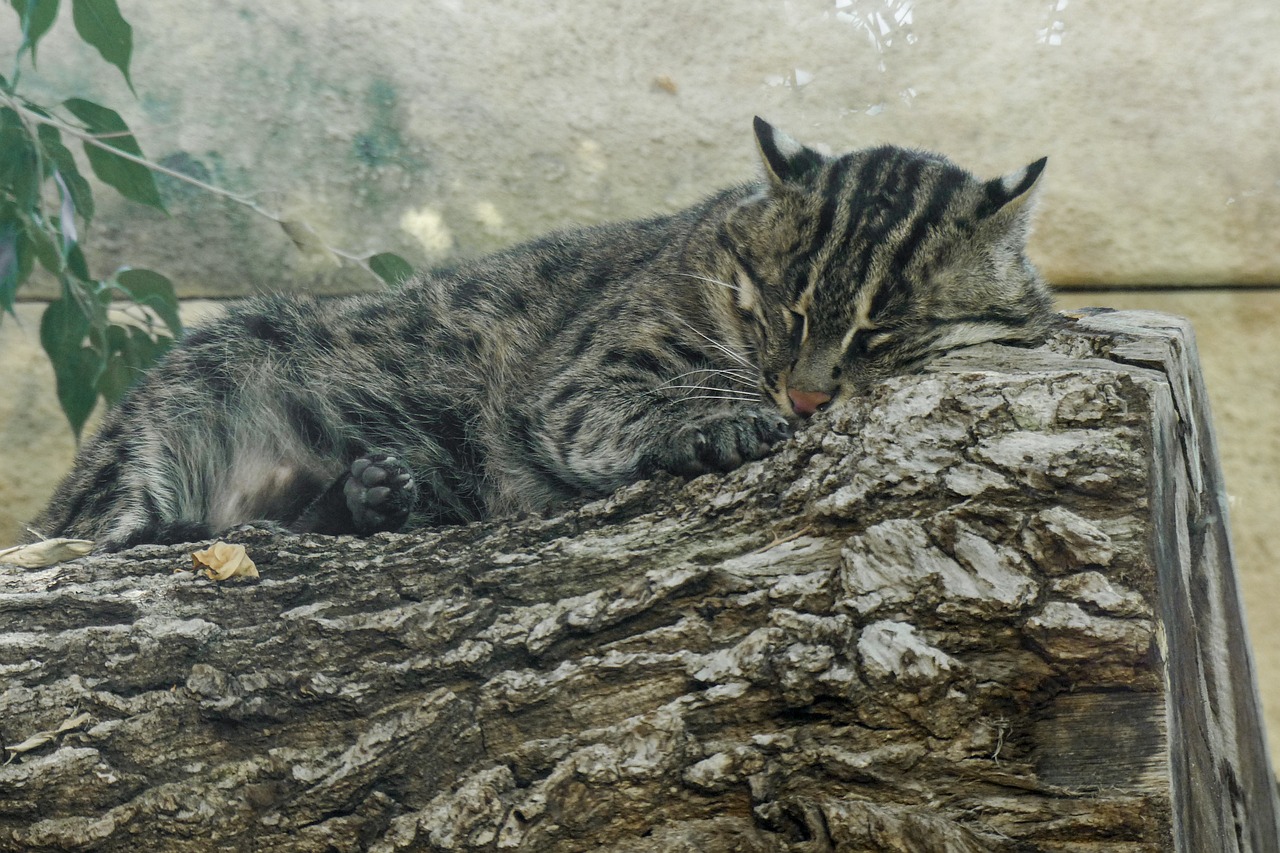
x,y
723,441
380,493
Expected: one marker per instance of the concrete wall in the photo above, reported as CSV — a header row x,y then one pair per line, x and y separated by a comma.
x,y
438,129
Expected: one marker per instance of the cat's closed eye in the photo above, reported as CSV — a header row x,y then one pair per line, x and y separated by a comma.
x,y
799,330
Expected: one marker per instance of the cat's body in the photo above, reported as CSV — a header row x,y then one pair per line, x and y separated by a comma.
x,y
569,366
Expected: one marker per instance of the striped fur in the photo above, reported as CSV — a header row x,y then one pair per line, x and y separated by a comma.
x,y
571,365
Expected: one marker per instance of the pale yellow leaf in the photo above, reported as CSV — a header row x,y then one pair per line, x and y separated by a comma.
x,y
222,561
34,742
41,738
307,240
37,555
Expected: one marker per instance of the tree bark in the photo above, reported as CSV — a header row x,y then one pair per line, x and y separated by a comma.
x,y
989,607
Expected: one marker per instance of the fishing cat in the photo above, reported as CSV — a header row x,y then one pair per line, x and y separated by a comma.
x,y
571,365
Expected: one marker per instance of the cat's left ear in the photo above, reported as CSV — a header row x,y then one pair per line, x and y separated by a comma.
x,y
1013,195
786,161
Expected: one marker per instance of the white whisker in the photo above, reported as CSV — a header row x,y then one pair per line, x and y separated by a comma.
x,y
717,345
716,281
707,388
734,377
719,397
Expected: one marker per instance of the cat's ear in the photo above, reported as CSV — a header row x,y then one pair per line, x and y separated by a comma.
x,y
1013,195
786,161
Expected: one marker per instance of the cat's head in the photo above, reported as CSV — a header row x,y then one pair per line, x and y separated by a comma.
x,y
866,265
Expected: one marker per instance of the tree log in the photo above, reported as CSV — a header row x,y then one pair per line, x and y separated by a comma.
x,y
988,607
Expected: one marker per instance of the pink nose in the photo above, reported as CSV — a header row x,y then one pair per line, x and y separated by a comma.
x,y
807,402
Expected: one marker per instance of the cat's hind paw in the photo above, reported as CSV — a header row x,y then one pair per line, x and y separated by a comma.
x,y
380,493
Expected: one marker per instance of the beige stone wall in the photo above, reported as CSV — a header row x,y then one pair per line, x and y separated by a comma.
x,y
438,128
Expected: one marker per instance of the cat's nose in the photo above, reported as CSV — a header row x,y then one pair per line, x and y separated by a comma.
x,y
807,402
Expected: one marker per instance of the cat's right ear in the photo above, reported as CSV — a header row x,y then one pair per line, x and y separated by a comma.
x,y
787,162
1012,195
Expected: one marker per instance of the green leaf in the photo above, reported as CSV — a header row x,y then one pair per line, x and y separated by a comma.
x,y
76,367
17,255
116,377
116,338
119,370
10,264
42,246
76,262
65,166
62,328
154,291
130,179
142,348
19,167
391,268
77,391
130,352
100,23
146,350
37,17
160,345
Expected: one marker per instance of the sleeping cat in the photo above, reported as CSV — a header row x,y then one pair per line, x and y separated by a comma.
x,y
568,366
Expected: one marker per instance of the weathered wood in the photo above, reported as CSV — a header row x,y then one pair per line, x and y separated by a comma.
x,y
990,607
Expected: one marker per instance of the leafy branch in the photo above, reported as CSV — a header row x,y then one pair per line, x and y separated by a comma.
x,y
100,334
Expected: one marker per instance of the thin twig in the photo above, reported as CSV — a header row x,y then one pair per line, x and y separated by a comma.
x,y
97,140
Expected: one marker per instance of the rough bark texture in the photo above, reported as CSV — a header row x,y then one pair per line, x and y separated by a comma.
x,y
987,608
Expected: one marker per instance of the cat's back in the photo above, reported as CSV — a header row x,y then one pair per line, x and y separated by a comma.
x,y
449,326
538,285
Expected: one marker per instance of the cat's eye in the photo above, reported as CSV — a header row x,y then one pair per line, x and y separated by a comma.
x,y
877,340
857,343
864,342
799,329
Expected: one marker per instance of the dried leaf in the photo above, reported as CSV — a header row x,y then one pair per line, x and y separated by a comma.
x,y
34,742
47,553
307,240
41,738
222,561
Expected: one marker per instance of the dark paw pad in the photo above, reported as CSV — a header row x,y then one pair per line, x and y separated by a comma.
x,y
380,493
725,440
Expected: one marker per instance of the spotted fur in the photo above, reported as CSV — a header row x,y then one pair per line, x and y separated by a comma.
x,y
571,365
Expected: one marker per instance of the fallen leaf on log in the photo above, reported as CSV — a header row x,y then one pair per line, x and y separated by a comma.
x,y
47,552
222,561
41,738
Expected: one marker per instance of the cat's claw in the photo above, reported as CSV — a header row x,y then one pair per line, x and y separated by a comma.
x,y
725,440
380,493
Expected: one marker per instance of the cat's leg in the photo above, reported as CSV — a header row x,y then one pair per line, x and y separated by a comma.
x,y
604,438
605,409
380,493
720,440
